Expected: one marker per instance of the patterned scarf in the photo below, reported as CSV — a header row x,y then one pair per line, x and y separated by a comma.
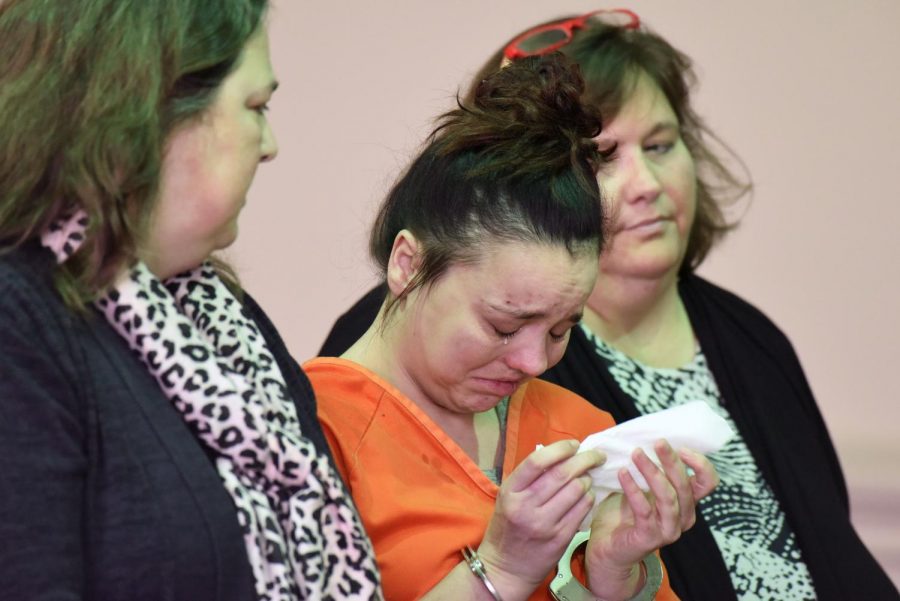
x,y
303,536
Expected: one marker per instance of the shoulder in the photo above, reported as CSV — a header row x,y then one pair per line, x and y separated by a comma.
x,y
739,338
267,328
31,310
333,375
712,294
348,399
345,392
299,386
275,344
565,409
710,302
25,273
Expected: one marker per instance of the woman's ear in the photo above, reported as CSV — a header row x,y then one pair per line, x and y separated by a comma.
x,y
403,263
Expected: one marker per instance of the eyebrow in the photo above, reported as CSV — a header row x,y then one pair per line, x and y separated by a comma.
x,y
659,127
663,126
526,315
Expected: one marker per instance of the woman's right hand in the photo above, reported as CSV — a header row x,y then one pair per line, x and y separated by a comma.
x,y
538,510
627,526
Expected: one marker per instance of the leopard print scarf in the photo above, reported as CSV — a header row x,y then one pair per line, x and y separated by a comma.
x,y
303,536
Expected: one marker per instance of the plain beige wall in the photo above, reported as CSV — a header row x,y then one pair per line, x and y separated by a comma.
x,y
807,92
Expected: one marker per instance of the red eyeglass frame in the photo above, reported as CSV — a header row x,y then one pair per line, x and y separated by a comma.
x,y
513,52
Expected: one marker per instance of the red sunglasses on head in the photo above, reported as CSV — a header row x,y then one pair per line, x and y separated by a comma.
x,y
547,38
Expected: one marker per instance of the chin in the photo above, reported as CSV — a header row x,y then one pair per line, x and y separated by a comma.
x,y
226,238
644,269
479,403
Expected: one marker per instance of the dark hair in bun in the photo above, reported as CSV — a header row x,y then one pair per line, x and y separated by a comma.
x,y
515,164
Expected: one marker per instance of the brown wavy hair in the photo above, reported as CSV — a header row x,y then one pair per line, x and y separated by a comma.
x,y
611,59
516,163
89,92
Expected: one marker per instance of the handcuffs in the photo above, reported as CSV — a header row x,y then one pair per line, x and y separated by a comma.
x,y
565,587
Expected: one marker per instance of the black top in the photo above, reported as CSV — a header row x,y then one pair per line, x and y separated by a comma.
x,y
104,492
764,389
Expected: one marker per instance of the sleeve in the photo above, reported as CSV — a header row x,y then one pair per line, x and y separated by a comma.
x,y
336,425
746,348
336,450
42,460
817,423
347,405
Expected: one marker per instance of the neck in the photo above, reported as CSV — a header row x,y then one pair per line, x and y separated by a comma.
x,y
478,434
643,318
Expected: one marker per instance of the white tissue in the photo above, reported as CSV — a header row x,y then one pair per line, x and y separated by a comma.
x,y
692,425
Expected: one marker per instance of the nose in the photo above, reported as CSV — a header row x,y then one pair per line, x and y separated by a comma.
x,y
528,357
268,146
640,182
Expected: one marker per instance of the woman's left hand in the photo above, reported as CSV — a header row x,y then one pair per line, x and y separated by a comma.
x,y
628,526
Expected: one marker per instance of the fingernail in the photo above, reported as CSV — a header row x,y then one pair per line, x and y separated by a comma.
x,y
587,482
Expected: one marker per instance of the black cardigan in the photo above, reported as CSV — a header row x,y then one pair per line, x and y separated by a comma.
x,y
104,492
764,389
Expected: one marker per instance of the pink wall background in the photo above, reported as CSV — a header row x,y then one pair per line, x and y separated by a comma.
x,y
806,92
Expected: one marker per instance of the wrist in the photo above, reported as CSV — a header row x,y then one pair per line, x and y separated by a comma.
x,y
479,570
612,583
636,582
509,584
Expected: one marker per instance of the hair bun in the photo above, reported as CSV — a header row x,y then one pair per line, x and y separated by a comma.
x,y
529,113
515,163
540,91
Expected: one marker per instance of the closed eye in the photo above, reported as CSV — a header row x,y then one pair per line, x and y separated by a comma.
x,y
501,334
560,337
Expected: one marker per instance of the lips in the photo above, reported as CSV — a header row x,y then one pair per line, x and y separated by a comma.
x,y
499,387
646,222
650,225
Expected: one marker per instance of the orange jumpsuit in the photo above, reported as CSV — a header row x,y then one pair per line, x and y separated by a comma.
x,y
421,498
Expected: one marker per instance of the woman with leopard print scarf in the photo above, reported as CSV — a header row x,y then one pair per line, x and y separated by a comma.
x,y
159,442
